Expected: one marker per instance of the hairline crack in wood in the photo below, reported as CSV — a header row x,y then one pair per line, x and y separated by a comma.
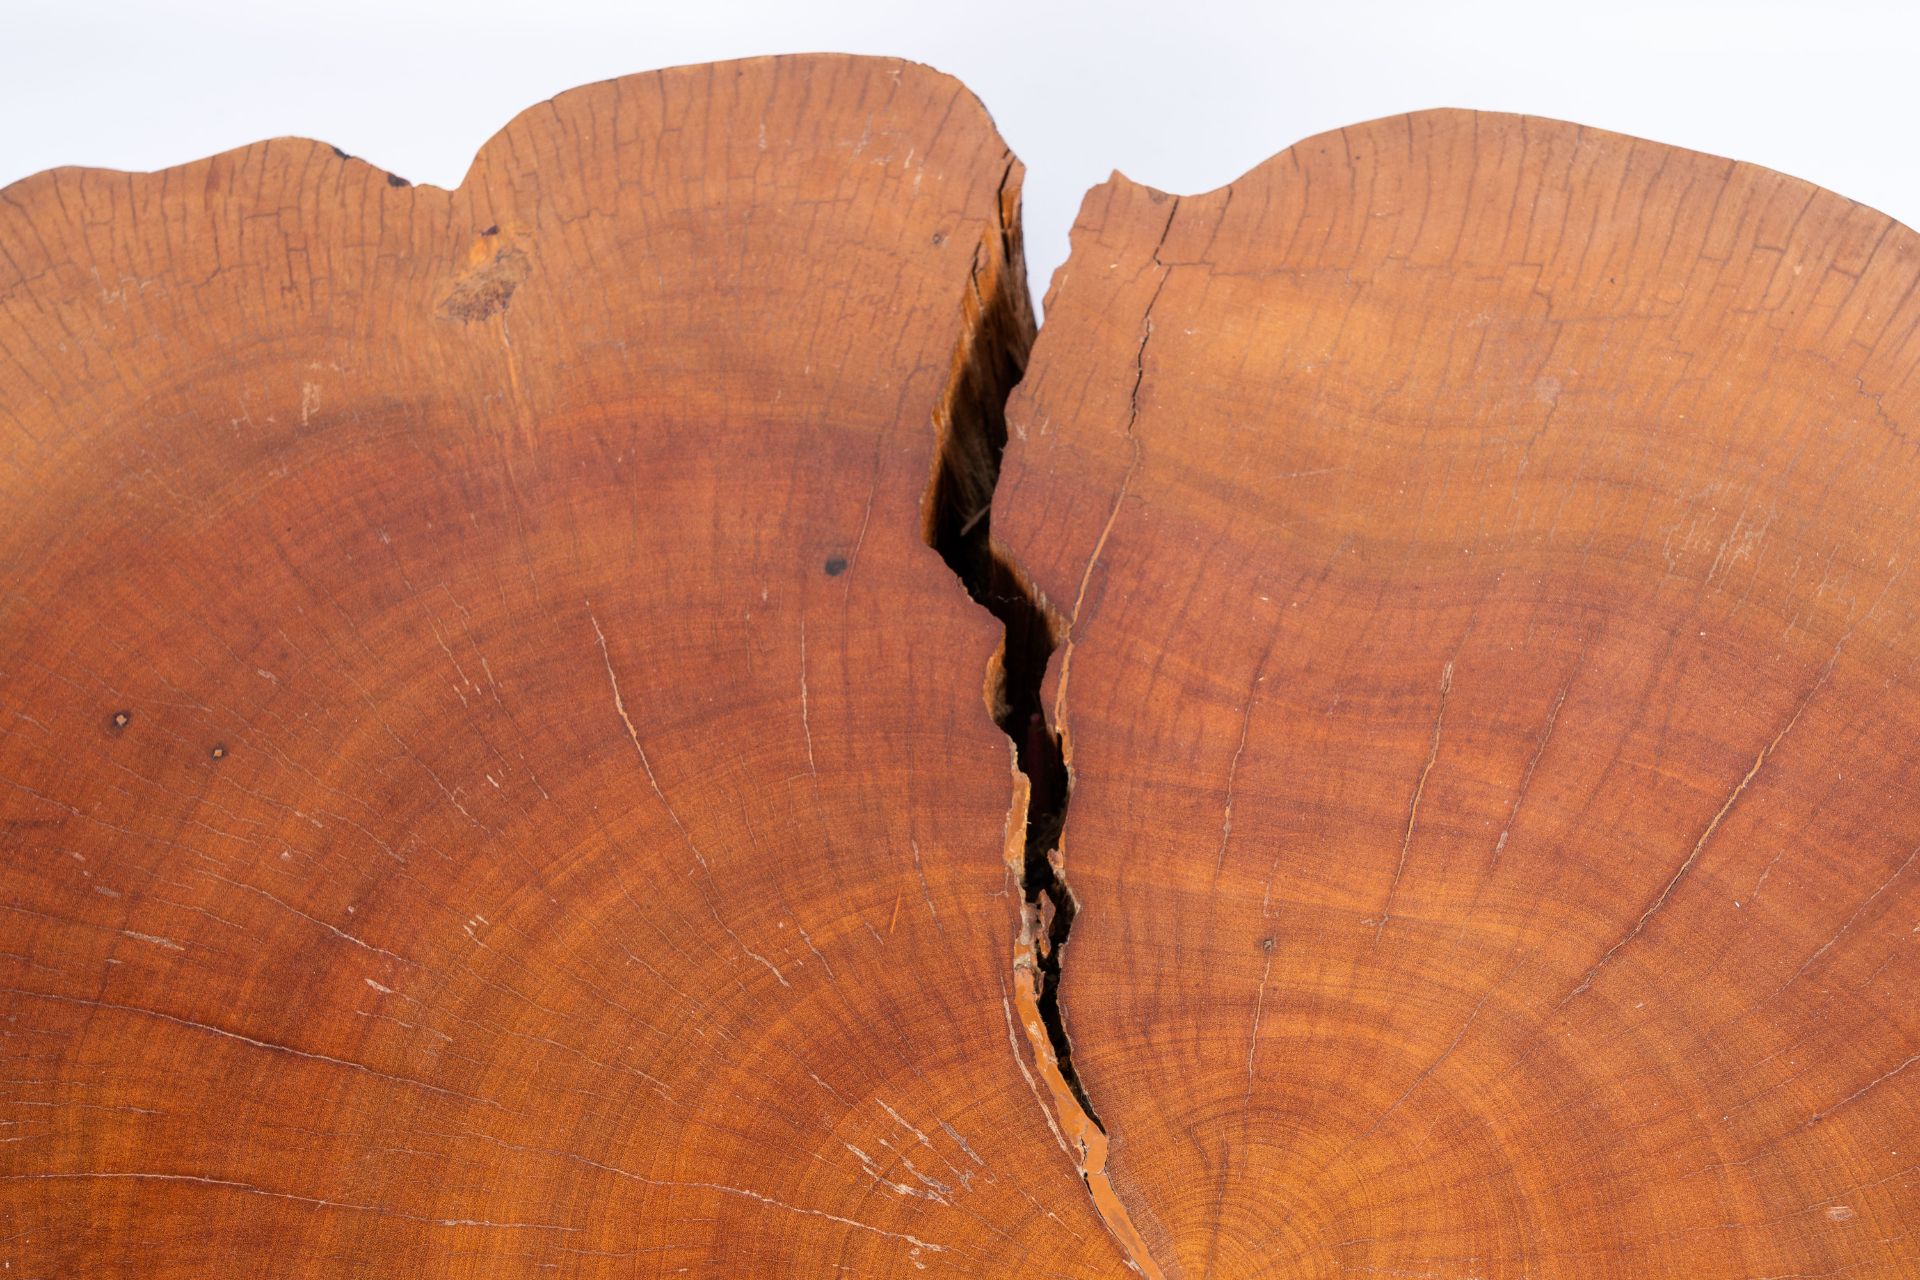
x,y
988,362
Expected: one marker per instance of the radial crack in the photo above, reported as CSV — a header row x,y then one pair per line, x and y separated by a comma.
x,y
957,518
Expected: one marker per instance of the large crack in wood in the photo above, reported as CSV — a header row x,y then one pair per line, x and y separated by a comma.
x,y
988,362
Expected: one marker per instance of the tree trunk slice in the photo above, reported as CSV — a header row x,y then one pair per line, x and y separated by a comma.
x,y
1483,550
496,782
497,778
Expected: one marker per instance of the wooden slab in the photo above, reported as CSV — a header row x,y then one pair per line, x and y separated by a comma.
x,y
493,781
1492,704
496,778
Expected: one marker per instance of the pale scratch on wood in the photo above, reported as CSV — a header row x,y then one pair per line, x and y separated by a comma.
x,y
1126,481
1433,1066
915,1241
925,893
1233,772
808,939
620,705
1842,932
873,1171
1413,805
1080,596
919,1137
1259,1003
1863,1090
720,1187
267,1045
1526,778
284,905
1700,845
227,1184
806,725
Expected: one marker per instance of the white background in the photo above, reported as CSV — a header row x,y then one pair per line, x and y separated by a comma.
x,y
1182,95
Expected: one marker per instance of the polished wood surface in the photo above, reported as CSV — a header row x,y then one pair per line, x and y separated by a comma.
x,y
1492,703
495,782
528,743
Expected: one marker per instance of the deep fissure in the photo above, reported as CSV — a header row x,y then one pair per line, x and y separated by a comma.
x,y
988,364
959,527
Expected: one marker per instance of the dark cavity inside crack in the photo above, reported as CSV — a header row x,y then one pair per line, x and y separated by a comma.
x,y
959,512
957,508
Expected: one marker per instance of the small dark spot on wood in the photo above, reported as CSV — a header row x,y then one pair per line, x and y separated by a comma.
x,y
1266,945
493,230
219,751
836,565
395,180
939,238
119,721
343,155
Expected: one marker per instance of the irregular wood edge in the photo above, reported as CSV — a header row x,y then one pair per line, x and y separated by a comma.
x,y
988,362
1409,119
989,358
1053,690
498,138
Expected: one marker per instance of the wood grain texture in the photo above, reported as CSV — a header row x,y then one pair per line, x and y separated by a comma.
x,y
496,778
1491,698
493,780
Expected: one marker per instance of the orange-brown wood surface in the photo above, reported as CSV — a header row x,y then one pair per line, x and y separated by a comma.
x,y
494,781
501,773
1492,703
